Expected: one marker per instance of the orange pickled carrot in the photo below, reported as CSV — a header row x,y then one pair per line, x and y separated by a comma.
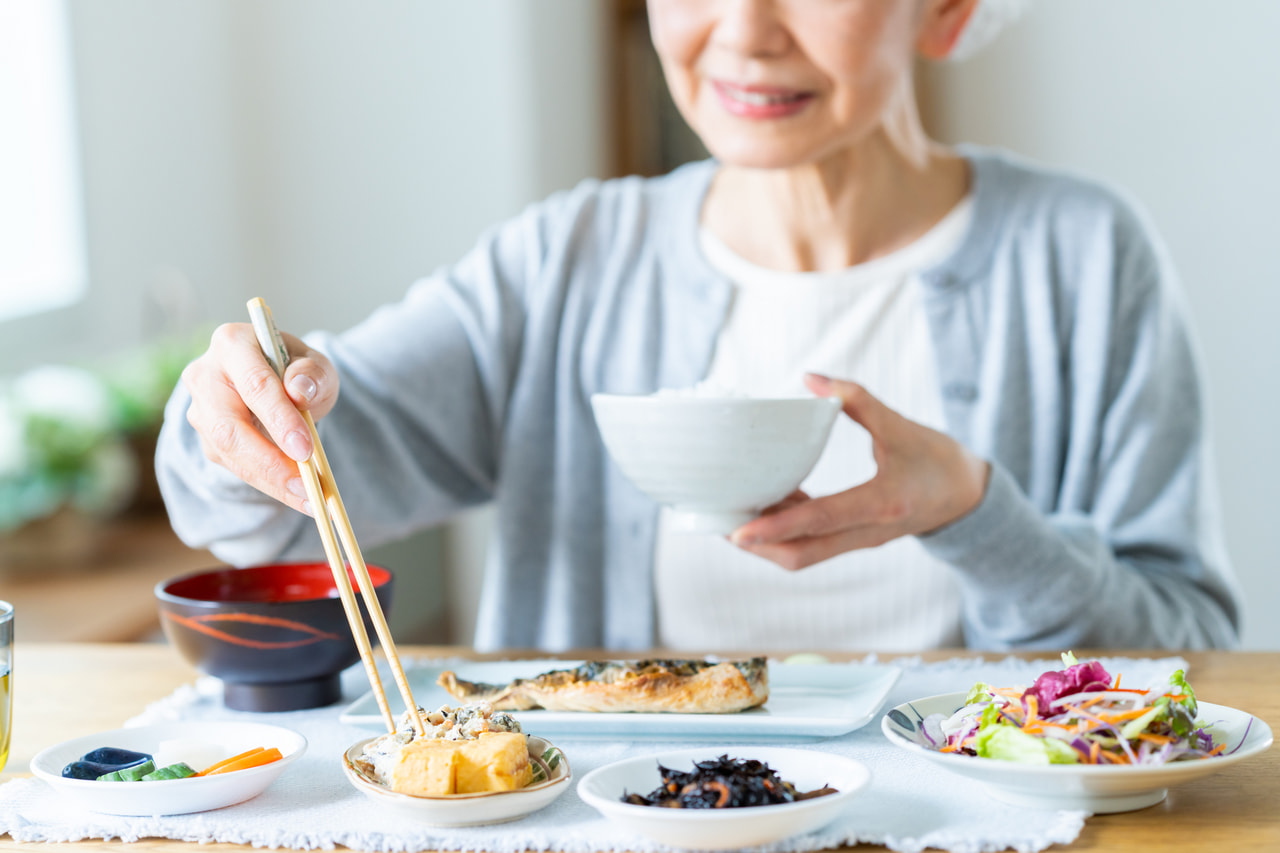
x,y
226,761
253,759
1153,738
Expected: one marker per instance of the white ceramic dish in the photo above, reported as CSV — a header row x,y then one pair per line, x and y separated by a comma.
x,y
806,701
721,829
464,809
1097,789
716,461
175,796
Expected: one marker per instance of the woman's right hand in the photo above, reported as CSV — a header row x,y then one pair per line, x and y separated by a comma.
x,y
248,420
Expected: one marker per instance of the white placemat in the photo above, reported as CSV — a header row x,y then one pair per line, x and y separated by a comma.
x,y
909,805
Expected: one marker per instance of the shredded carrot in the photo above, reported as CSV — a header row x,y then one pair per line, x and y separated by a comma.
x,y
1154,738
226,761
1121,716
254,759
1033,706
1115,757
1083,716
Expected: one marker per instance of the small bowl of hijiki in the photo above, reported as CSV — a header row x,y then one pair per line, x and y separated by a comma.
x,y
169,768
713,798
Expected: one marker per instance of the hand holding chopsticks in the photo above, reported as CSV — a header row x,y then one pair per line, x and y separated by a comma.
x,y
322,491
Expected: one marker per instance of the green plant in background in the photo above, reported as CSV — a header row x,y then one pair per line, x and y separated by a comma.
x,y
68,434
139,383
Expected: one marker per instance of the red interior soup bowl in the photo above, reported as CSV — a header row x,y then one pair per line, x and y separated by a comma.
x,y
277,635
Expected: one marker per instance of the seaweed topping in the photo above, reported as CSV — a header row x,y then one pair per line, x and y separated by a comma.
x,y
721,783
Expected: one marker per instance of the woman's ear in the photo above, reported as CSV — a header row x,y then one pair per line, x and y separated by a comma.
x,y
941,24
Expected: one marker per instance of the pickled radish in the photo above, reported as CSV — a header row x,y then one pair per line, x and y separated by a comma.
x,y
190,751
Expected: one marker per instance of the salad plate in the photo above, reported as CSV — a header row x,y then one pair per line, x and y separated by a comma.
x,y
465,809
806,701
724,828
1098,788
173,796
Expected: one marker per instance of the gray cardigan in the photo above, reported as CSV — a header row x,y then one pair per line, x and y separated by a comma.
x,y
1062,354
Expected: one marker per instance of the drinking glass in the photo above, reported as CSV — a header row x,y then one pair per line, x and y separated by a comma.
x,y
6,678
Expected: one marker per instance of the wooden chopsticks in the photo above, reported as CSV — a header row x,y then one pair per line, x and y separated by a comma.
x,y
322,491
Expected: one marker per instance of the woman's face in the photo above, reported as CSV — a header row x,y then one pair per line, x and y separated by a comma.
x,y
778,83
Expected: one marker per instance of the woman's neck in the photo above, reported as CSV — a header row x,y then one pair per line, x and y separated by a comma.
x,y
853,207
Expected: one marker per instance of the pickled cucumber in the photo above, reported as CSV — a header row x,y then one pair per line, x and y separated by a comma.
x,y
129,774
173,771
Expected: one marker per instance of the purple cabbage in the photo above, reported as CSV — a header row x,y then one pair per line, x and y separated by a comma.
x,y
1080,678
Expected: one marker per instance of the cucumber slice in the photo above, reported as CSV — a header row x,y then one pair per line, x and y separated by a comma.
x,y
137,771
173,771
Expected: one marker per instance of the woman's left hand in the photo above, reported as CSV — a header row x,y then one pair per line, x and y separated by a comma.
x,y
924,481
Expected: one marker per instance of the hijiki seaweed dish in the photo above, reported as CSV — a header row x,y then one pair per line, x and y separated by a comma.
x,y
721,783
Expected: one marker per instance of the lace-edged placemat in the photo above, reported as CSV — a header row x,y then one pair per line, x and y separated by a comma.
x,y
909,806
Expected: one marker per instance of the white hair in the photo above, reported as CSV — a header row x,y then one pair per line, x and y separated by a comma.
x,y
985,23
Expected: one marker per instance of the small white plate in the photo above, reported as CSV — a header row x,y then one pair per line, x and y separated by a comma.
x,y
806,701
170,796
1092,788
465,809
721,829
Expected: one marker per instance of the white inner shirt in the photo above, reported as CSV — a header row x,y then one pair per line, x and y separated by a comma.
x,y
867,324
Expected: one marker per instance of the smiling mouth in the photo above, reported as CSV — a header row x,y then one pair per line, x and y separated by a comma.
x,y
762,101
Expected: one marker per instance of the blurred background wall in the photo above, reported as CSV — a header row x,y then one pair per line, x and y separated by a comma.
x,y
1175,102
325,153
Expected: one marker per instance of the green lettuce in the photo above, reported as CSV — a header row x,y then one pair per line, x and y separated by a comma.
x,y
980,692
1008,743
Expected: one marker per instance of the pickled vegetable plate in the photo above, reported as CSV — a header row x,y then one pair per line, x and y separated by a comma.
x,y
172,796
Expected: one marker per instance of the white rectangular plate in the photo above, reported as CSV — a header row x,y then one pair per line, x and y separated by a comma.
x,y
805,701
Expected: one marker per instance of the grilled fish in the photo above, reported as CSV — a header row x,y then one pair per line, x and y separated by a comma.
x,y
647,686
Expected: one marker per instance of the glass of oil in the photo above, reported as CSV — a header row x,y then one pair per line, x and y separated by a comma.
x,y
6,678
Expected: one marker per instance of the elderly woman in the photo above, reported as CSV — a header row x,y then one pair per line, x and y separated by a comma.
x,y
1023,458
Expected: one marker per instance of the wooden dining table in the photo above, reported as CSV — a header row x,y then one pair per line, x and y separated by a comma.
x,y
64,690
